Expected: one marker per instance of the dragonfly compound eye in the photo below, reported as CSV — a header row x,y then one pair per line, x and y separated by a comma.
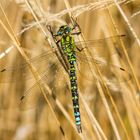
x,y
59,33
67,29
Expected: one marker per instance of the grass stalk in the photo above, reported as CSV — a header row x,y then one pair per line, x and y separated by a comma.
x,y
127,22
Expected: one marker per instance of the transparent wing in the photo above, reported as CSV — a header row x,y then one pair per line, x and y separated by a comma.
x,y
50,83
113,74
30,95
112,41
46,64
21,69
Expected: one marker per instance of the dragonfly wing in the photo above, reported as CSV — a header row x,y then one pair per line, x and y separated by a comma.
x,y
51,83
18,72
30,97
111,73
21,70
100,44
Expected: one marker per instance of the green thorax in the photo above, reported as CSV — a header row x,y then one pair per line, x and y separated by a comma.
x,y
68,44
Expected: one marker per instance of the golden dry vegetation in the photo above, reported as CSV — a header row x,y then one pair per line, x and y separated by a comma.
x,y
108,70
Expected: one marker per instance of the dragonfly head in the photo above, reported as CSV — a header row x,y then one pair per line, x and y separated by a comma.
x,y
64,30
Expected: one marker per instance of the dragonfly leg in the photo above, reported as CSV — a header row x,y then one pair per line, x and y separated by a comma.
x,y
76,27
53,35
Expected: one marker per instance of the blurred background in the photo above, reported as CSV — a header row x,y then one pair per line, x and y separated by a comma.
x,y
107,70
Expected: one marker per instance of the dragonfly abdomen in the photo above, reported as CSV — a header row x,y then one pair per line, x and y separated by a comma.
x,y
75,97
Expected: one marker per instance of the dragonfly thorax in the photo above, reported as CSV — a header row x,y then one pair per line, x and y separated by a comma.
x,y
67,44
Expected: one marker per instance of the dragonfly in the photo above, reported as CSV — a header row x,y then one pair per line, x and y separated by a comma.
x,y
72,59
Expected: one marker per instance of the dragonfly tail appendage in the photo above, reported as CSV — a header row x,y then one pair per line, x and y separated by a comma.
x,y
75,98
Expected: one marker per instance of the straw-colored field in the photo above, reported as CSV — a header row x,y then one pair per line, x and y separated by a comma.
x,y
107,70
